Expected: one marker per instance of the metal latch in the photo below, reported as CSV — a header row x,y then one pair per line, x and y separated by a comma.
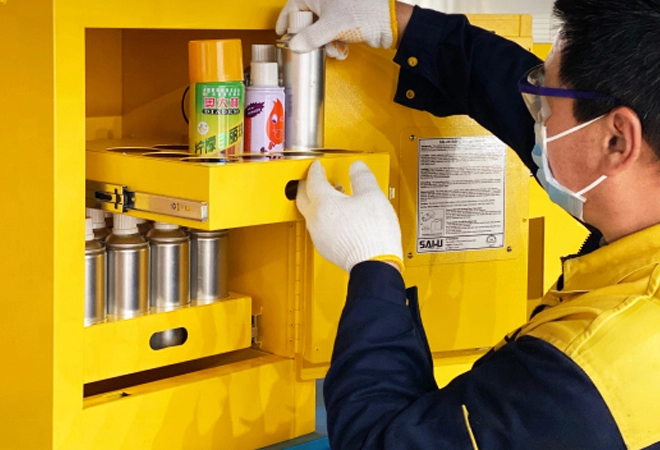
x,y
255,331
118,199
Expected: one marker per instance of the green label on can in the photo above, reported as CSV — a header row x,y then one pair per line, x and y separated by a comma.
x,y
216,125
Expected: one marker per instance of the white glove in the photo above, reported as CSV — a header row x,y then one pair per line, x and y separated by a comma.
x,y
347,230
342,22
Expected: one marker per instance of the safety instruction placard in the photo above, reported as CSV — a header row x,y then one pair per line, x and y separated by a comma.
x,y
461,204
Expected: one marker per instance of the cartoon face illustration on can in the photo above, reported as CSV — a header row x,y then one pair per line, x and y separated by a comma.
x,y
275,125
264,120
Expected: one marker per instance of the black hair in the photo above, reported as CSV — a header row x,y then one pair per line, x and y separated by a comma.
x,y
612,47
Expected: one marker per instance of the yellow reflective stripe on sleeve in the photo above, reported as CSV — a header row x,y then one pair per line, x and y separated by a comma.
x,y
390,259
394,24
466,415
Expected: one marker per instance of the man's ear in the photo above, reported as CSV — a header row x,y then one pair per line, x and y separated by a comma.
x,y
623,141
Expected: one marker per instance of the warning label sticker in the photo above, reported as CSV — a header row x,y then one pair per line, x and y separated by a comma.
x,y
461,194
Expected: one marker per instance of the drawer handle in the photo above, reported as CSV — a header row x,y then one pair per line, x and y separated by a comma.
x,y
168,338
291,189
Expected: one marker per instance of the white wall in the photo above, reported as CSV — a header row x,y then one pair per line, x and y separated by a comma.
x,y
544,25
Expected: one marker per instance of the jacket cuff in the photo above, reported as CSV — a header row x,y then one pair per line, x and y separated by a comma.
x,y
378,280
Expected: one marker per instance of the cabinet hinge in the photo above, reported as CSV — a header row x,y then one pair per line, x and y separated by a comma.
x,y
298,285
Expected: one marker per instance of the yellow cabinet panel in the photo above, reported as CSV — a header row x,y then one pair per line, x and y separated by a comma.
x,y
241,401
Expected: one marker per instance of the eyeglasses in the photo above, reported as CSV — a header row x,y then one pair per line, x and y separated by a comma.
x,y
533,91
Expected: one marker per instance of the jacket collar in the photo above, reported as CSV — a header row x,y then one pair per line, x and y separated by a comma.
x,y
614,262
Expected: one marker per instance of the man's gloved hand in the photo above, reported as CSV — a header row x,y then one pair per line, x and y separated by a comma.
x,y
348,230
342,22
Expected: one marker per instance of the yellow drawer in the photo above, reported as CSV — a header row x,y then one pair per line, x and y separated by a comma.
x,y
241,401
238,194
122,347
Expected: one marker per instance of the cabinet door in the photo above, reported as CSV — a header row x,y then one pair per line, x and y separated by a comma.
x,y
470,296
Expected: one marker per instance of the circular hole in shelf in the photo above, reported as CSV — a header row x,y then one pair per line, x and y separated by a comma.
x,y
333,150
177,155
296,154
131,150
253,157
206,160
171,147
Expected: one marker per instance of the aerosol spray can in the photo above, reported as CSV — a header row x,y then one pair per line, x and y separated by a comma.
x,y
209,264
304,83
261,53
264,113
101,230
170,266
217,94
128,269
94,276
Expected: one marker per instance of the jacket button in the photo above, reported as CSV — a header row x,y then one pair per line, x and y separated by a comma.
x,y
410,94
412,61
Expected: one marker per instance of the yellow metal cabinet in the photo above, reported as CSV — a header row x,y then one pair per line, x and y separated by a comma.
x,y
65,386
112,72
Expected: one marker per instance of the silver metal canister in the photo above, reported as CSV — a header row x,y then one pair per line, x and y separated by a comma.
x,y
94,277
128,270
209,264
170,266
303,75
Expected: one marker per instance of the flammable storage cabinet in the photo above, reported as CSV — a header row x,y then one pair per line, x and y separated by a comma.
x,y
85,84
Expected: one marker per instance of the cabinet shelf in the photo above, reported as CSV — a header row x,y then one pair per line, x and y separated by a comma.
x,y
239,192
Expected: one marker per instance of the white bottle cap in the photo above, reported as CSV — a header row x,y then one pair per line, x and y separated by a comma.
x,y
264,74
263,53
299,20
124,225
165,226
140,221
98,217
89,229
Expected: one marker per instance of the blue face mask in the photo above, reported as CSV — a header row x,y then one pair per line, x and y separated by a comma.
x,y
571,202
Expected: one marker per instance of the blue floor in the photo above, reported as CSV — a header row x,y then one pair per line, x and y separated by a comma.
x,y
315,441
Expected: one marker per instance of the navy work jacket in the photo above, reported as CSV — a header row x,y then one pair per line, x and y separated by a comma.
x,y
380,391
